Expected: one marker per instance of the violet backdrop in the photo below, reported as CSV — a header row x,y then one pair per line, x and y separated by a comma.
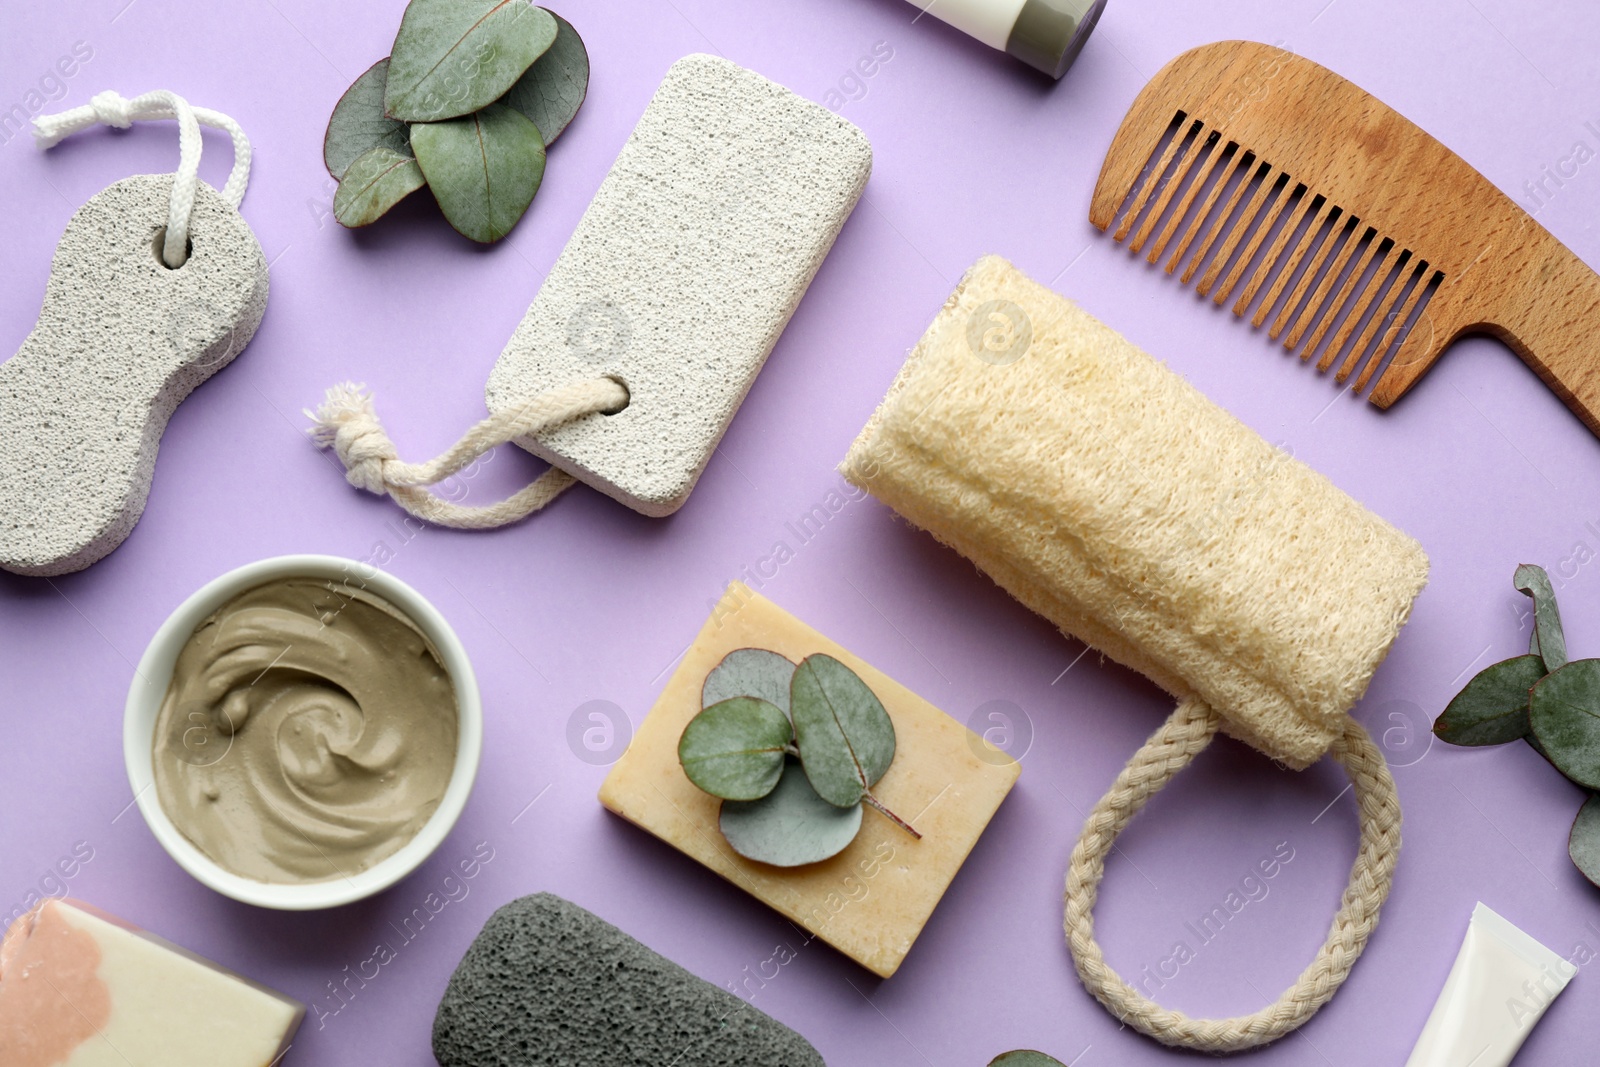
x,y
591,602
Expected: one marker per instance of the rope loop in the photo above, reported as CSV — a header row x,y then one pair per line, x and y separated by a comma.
x,y
1170,749
109,108
348,423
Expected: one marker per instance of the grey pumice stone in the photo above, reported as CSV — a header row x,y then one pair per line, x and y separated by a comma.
x,y
547,984
682,274
121,339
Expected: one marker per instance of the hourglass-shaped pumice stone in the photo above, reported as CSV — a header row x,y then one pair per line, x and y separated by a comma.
x,y
121,339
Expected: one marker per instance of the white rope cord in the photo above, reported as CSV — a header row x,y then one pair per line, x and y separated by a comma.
x,y
1168,751
348,423
111,109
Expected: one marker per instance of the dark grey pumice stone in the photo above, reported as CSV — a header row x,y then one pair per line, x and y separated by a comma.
x,y
547,984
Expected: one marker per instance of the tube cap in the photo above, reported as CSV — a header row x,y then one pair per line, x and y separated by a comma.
x,y
1049,34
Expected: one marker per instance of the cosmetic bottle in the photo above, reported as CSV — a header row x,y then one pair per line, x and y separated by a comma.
x,y
1045,34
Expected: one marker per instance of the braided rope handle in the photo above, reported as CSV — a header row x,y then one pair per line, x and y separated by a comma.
x,y
348,423
112,109
1169,750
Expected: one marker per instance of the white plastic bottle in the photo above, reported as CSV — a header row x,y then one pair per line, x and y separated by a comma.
x,y
1045,34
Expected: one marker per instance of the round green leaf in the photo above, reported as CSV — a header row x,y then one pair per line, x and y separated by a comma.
x,y
789,827
735,749
1565,715
483,169
358,123
552,90
452,57
1548,639
1025,1058
749,672
1583,845
1493,708
844,734
376,181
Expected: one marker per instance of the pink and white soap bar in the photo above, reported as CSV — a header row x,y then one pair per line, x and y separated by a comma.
x,y
80,988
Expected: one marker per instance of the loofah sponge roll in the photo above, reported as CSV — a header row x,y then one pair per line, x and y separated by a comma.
x,y
1109,495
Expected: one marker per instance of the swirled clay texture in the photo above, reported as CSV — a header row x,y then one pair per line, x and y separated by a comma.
x,y
309,731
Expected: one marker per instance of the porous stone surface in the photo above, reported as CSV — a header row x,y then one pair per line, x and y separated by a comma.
x,y
682,274
120,341
548,983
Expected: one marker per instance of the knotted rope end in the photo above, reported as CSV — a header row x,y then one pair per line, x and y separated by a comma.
x,y
348,423
342,404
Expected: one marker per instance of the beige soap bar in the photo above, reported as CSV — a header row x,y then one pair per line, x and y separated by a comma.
x,y
79,988
872,900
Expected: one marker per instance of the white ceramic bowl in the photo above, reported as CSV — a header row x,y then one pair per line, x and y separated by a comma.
x,y
150,686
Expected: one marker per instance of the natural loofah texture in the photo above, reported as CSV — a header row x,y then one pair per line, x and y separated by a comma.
x,y
121,340
682,274
1109,495
547,983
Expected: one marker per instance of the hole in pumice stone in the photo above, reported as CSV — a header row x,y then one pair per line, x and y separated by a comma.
x,y
160,240
626,400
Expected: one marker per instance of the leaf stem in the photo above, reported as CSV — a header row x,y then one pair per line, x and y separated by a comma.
x,y
873,802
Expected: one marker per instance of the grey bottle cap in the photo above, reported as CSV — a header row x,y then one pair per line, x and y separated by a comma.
x,y
1049,34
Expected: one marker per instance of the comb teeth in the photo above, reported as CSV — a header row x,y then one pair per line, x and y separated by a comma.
x,y
1242,225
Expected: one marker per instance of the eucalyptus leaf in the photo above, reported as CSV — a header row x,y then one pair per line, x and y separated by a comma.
x,y
1583,844
735,749
1565,715
791,826
358,123
553,89
452,57
1493,708
749,672
845,736
1025,1058
376,181
1548,639
483,169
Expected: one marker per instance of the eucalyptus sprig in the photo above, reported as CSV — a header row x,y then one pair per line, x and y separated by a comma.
x,y
1547,700
471,96
793,752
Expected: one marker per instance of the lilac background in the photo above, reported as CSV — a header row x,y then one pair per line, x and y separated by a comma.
x,y
592,602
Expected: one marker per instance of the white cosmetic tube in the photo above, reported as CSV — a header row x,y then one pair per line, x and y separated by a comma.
x,y
1499,987
1045,34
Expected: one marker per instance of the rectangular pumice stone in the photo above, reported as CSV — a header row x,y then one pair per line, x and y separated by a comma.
x,y
682,274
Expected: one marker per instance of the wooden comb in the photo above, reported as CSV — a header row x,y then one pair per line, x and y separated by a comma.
x,y
1358,232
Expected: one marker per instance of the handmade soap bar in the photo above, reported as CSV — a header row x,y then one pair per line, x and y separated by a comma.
x,y
871,900
546,982
80,988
